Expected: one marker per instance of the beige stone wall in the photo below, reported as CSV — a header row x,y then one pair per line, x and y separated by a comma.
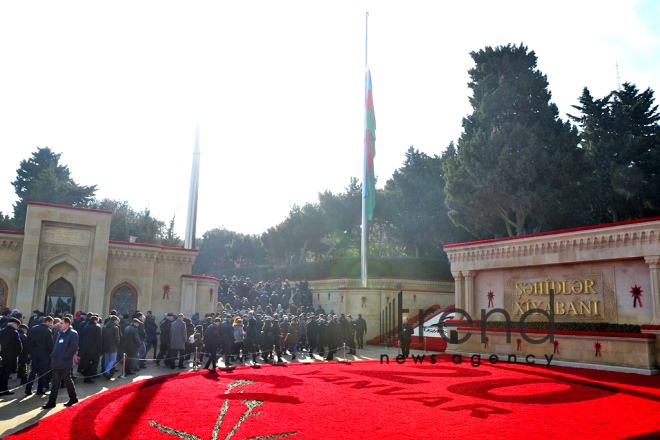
x,y
617,351
613,281
148,269
11,246
343,295
54,235
612,257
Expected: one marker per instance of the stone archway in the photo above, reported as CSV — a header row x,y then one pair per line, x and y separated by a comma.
x,y
59,297
123,299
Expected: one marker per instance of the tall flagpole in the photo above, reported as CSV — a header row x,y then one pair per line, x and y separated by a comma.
x,y
191,221
363,248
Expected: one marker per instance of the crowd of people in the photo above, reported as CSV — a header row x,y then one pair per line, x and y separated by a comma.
x,y
253,323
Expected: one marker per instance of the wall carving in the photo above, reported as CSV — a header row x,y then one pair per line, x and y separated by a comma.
x,y
10,244
604,285
533,246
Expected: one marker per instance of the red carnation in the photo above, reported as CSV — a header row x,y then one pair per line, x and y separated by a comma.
x,y
166,291
598,346
556,345
519,344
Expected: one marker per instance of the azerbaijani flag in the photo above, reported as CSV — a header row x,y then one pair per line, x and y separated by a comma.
x,y
370,151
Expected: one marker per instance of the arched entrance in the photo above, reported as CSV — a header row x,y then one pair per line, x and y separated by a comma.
x,y
4,291
59,297
124,299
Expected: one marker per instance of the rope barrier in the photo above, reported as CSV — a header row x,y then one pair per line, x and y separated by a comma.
x,y
125,357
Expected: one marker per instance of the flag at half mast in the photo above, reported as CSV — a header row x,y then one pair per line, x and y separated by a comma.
x,y
369,151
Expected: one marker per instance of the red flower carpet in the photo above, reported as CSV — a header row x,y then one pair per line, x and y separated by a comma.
x,y
368,400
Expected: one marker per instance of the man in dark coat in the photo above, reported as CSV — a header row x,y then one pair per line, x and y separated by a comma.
x,y
312,333
110,342
91,348
252,337
178,339
321,335
350,335
40,343
11,348
61,363
34,319
211,342
132,346
337,333
226,339
330,338
360,330
405,336
165,326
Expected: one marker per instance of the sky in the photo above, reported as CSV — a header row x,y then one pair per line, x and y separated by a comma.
x,y
277,88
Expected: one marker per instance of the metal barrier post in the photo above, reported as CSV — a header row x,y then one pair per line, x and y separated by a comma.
x,y
123,375
424,344
344,350
398,347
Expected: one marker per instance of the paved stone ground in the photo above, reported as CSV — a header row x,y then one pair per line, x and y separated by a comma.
x,y
19,411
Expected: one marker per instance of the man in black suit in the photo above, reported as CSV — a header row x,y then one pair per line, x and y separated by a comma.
x,y
211,341
11,348
360,330
226,339
40,343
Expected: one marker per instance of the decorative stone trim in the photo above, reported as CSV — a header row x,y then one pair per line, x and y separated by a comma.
x,y
624,241
380,283
11,244
155,254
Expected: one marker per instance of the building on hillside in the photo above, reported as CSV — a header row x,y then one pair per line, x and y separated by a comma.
x,y
65,261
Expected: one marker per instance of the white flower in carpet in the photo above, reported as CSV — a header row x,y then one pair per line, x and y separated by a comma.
x,y
250,404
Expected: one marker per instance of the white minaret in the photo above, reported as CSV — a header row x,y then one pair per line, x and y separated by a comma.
x,y
192,198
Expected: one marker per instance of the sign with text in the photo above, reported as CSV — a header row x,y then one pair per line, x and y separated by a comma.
x,y
584,295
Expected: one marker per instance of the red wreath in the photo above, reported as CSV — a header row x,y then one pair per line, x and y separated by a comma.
x,y
490,295
342,298
556,345
598,346
318,297
519,343
637,295
415,298
328,296
211,294
363,298
486,346
166,290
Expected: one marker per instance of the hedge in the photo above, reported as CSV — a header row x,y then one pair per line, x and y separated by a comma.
x,y
416,268
599,327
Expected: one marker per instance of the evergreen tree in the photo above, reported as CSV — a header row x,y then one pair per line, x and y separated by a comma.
x,y
42,179
517,164
420,213
621,137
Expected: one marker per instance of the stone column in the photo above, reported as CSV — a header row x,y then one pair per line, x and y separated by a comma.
x,y
654,269
458,291
469,293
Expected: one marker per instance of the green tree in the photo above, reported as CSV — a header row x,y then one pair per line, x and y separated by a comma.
x,y
517,162
127,222
171,238
420,213
621,137
41,178
213,254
